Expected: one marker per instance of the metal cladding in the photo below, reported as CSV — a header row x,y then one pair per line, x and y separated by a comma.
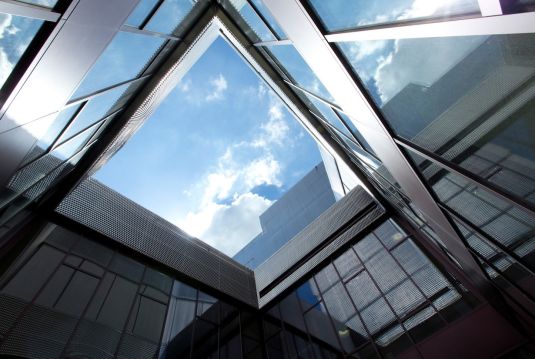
x,y
115,216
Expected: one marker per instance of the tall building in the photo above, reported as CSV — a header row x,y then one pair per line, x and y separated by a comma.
x,y
419,236
288,216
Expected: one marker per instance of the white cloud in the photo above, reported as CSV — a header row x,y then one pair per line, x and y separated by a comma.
x,y
228,227
219,85
275,130
265,170
421,61
185,86
5,66
225,212
5,24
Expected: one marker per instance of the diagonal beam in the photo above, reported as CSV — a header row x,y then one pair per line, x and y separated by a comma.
x,y
318,54
480,26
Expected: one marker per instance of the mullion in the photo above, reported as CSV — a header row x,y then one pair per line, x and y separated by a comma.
x,y
149,16
44,177
105,90
264,20
487,237
382,295
411,279
471,177
357,311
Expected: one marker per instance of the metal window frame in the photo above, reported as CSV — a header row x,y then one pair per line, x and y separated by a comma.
x,y
304,31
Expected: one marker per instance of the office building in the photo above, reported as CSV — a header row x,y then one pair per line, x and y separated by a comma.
x,y
420,232
288,216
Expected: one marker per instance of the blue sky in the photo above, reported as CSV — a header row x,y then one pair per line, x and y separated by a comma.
x,y
16,32
216,153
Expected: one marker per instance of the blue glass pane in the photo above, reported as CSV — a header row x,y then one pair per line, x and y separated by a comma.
x,y
47,3
124,59
50,128
141,12
328,114
297,68
16,33
269,18
96,109
467,99
169,16
342,15
254,21
356,133
69,148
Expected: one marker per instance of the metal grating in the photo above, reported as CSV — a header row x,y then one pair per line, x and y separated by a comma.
x,y
354,205
106,211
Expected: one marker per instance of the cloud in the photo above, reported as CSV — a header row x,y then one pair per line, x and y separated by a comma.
x,y
228,227
5,66
275,130
6,28
219,85
184,85
421,61
227,211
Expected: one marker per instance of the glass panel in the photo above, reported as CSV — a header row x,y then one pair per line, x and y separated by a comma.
x,y
327,113
28,176
509,225
356,133
269,18
326,278
308,294
169,16
141,12
342,15
467,99
16,33
347,264
390,234
250,167
498,263
299,71
254,21
47,3
94,110
124,59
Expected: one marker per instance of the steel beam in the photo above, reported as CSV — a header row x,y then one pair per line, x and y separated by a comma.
x,y
308,40
495,25
56,72
28,10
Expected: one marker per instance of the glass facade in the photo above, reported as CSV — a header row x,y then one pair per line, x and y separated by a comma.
x,y
425,106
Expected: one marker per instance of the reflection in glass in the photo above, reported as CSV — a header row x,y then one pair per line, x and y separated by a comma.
x,y
94,110
297,68
141,12
343,15
510,226
269,18
169,16
124,59
16,33
468,99
47,3
254,21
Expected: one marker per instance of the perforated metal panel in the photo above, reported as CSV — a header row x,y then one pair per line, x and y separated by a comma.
x,y
338,225
115,216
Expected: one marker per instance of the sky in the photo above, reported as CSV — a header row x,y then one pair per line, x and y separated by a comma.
x,y
216,153
16,32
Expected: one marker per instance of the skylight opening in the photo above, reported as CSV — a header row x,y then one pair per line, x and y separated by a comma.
x,y
218,154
